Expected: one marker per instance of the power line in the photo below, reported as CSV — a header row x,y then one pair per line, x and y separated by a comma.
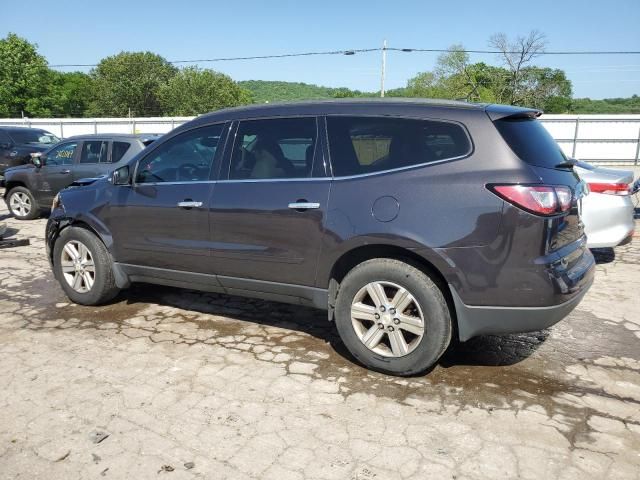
x,y
368,50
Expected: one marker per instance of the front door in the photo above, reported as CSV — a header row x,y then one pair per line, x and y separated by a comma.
x,y
161,220
267,213
56,173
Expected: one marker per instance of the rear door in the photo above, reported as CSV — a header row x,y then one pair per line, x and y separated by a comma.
x,y
93,160
161,220
268,211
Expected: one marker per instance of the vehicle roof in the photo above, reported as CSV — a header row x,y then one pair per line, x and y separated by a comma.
x,y
393,105
13,128
119,136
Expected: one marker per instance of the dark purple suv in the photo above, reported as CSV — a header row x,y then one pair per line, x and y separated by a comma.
x,y
411,222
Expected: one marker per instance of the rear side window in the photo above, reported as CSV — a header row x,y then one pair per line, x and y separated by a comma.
x,y
531,142
368,144
274,149
94,151
118,151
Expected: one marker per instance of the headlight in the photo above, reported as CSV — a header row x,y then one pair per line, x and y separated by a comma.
x,y
56,202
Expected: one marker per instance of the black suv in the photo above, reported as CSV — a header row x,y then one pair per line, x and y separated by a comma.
x,y
18,143
30,188
411,222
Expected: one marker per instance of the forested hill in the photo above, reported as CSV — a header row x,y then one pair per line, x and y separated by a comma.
x,y
274,91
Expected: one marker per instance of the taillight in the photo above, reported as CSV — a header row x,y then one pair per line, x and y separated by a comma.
x,y
538,199
610,188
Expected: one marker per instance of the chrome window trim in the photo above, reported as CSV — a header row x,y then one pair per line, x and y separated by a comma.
x,y
401,169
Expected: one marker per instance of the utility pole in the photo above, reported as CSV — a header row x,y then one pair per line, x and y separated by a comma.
x,y
384,66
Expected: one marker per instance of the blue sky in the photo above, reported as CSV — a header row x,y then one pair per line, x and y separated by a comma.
x,y
85,32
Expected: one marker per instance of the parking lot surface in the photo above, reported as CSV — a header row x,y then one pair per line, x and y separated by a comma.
x,y
178,384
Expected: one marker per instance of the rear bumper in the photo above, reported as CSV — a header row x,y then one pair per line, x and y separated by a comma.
x,y
481,320
608,219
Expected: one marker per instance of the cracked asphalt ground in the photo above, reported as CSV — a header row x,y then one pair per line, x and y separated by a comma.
x,y
179,384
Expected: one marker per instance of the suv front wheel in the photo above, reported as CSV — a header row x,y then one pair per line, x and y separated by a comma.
x,y
392,317
82,265
22,204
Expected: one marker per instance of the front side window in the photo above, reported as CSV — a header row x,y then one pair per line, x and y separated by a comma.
x,y
62,155
360,145
274,149
94,151
187,157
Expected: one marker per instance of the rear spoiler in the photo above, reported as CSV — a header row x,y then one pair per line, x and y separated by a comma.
x,y
498,112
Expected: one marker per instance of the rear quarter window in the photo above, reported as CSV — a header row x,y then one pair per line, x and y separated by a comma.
x,y
531,141
360,145
118,151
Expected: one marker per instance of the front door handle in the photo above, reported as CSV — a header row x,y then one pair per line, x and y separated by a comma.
x,y
189,204
302,205
65,171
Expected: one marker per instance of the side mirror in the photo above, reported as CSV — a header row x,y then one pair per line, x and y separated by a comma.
x,y
37,159
121,176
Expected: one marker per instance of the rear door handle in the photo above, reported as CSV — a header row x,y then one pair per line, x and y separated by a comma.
x,y
189,204
65,171
304,205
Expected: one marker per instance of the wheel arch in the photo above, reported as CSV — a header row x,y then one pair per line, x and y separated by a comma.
x,y
355,256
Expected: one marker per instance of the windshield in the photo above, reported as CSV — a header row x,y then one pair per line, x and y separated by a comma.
x,y
28,135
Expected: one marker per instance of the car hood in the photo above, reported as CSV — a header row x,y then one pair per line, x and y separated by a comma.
x,y
83,182
19,168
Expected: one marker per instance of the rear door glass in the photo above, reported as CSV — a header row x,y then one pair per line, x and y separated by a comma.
x,y
94,151
531,141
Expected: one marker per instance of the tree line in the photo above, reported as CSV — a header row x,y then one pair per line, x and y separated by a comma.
x,y
146,84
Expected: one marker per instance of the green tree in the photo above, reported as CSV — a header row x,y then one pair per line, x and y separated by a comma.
x,y
129,82
25,79
72,93
193,91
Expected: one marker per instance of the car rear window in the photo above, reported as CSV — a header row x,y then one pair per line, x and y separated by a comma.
x,y
531,141
360,145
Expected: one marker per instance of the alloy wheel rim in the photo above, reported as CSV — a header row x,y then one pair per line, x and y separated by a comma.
x,y
387,319
78,267
20,204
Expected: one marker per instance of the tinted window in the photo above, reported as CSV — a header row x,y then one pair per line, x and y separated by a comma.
x,y
365,144
531,141
118,150
187,157
62,155
94,151
28,135
275,148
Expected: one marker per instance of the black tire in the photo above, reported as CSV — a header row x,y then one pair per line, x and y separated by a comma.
x,y
104,286
437,318
34,212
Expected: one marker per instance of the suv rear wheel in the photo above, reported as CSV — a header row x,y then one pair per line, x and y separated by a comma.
x,y
82,264
392,317
22,204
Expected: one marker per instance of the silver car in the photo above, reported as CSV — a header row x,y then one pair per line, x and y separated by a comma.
x,y
607,212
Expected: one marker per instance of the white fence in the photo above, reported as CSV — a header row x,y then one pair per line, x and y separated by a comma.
x,y
613,139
